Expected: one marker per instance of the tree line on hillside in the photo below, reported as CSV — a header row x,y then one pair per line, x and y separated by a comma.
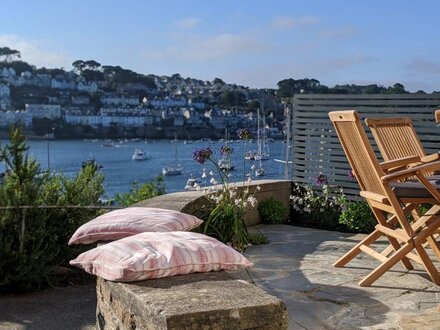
x,y
289,87
92,70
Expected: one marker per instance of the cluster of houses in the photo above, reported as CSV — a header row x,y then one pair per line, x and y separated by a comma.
x,y
77,102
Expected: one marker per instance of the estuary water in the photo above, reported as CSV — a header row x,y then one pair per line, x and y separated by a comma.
x,y
120,170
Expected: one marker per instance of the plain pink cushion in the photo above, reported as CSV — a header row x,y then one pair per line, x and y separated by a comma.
x,y
154,255
130,221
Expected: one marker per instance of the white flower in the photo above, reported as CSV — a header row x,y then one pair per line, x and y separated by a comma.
x,y
252,167
204,174
259,188
252,200
211,173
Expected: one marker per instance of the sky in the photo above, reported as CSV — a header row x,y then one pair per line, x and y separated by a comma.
x,y
253,43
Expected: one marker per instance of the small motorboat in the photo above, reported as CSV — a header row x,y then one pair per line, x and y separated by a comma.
x,y
91,162
250,155
192,184
140,155
260,171
225,164
172,170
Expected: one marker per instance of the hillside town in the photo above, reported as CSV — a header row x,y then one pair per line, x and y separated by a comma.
x,y
110,102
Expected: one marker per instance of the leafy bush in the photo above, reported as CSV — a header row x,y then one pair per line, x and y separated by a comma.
x,y
317,210
357,217
140,193
83,190
272,211
34,240
257,239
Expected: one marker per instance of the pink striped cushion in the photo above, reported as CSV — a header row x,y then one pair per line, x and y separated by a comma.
x,y
154,255
130,221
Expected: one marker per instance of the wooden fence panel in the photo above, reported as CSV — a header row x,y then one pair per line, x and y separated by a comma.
x,y
316,148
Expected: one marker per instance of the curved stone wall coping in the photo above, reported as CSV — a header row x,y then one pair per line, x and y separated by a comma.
x,y
190,201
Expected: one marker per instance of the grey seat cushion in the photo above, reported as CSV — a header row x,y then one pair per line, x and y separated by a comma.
x,y
414,189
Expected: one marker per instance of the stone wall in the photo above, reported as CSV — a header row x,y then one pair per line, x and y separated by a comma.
x,y
190,201
215,300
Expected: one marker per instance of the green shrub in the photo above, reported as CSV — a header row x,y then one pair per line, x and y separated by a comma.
x,y
272,211
257,239
317,210
357,217
140,193
34,240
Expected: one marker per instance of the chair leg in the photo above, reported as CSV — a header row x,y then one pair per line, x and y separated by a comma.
x,y
341,262
428,265
433,245
381,269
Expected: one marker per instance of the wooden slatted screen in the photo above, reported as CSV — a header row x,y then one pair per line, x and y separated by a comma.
x,y
316,148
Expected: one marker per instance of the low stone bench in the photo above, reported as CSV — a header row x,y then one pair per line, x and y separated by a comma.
x,y
216,300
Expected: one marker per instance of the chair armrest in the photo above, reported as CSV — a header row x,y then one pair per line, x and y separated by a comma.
x,y
403,174
437,116
430,158
400,162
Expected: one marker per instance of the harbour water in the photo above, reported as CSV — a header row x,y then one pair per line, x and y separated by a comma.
x,y
120,170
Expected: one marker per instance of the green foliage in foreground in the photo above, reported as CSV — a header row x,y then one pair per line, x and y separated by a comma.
x,y
142,192
257,239
272,211
33,241
358,217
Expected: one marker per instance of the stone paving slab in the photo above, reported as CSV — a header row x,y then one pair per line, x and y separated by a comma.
x,y
296,266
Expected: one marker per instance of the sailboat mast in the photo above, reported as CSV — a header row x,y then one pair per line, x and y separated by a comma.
x,y
258,132
287,130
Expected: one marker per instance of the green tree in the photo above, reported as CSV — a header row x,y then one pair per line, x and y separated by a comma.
x,y
78,66
142,192
92,65
34,240
8,54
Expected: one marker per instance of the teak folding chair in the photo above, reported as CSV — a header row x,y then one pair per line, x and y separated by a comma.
x,y
390,205
396,139
437,116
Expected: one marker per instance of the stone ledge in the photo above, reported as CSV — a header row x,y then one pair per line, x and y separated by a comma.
x,y
190,201
216,300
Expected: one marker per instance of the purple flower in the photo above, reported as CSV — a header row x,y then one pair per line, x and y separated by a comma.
x,y
351,175
202,155
321,179
244,134
226,150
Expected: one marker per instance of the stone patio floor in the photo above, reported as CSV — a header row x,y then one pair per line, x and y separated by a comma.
x,y
295,266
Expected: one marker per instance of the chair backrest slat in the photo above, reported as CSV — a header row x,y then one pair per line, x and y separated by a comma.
x,y
395,137
359,152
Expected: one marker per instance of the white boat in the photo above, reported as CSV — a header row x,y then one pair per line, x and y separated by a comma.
x,y
260,171
140,155
250,155
192,184
263,148
226,164
174,169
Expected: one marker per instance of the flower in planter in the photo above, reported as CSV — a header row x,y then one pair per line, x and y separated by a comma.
x,y
227,205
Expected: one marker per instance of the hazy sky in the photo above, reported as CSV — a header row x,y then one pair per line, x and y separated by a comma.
x,y
250,42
